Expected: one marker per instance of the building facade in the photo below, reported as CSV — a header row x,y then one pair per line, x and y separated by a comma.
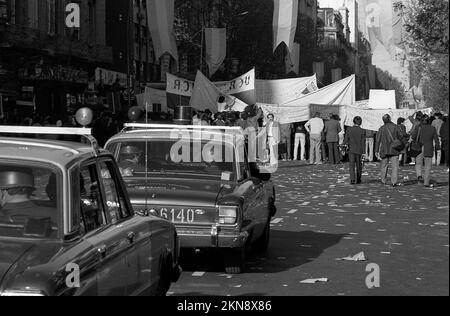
x,y
46,66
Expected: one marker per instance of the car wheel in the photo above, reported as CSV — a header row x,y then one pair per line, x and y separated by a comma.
x,y
165,278
235,261
262,244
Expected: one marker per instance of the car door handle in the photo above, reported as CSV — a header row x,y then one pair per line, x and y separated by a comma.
x,y
102,251
130,237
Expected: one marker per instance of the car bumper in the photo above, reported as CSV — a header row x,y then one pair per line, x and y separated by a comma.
x,y
211,237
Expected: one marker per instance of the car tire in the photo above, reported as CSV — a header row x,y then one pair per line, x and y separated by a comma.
x,y
235,261
262,244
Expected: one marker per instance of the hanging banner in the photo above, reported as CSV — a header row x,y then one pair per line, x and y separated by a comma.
x,y
285,23
284,90
206,95
161,21
298,110
293,60
216,48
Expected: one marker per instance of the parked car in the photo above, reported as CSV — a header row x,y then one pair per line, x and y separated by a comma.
x,y
216,202
67,227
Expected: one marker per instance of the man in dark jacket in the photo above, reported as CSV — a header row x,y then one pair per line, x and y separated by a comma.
x,y
445,140
332,130
385,139
429,140
355,139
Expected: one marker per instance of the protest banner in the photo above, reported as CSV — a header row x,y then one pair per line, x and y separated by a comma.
x,y
179,91
382,100
284,90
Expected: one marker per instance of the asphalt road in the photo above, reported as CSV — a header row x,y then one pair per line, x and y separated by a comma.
x,y
322,218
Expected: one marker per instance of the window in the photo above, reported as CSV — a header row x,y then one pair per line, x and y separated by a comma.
x,y
116,206
92,214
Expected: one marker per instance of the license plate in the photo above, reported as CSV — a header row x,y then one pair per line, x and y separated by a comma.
x,y
183,216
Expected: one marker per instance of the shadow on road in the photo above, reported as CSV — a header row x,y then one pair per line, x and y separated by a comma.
x,y
287,250
290,250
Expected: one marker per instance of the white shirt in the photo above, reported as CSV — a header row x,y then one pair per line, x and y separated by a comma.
x,y
315,126
270,129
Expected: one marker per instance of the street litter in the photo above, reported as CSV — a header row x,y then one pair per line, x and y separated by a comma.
x,y
314,281
356,258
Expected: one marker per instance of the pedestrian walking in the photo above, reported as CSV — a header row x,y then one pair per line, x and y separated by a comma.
x,y
445,141
416,121
387,136
315,127
300,141
437,124
403,154
332,130
429,140
355,140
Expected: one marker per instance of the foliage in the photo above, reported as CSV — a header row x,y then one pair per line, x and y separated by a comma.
x,y
427,27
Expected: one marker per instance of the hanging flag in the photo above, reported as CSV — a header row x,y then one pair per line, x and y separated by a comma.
x,y
293,60
285,23
160,21
206,95
216,48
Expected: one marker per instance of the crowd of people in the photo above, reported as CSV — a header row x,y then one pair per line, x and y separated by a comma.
x,y
320,140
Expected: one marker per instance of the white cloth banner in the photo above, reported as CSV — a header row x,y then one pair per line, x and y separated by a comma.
x,y
206,96
243,87
285,90
161,21
298,110
373,119
216,48
382,99
285,17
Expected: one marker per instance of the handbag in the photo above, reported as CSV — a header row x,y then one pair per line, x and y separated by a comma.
x,y
415,149
397,144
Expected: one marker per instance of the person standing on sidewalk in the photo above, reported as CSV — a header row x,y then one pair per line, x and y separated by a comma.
x,y
437,124
300,140
386,137
273,138
315,128
445,140
332,130
429,140
355,139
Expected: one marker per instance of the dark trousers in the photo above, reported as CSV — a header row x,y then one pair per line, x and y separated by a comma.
x,y
445,145
355,167
334,156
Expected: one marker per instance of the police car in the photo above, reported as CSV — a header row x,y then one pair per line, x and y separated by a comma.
x,y
199,178
67,227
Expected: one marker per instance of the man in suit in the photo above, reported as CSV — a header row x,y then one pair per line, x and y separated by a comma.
x,y
332,130
355,139
386,136
273,138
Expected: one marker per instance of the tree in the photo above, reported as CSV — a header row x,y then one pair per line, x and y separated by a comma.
x,y
426,24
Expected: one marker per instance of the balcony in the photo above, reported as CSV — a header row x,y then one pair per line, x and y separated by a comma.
x,y
28,38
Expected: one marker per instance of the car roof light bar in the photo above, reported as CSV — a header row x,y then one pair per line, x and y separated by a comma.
x,y
192,127
37,130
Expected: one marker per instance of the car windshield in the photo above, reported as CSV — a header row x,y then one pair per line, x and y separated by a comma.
x,y
138,159
29,200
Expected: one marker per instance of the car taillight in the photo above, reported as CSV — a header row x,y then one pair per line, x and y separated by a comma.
x,y
228,215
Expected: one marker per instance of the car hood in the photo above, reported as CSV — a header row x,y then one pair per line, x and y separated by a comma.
x,y
178,192
16,256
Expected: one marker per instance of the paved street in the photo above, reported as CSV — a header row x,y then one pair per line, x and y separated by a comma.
x,y
322,218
